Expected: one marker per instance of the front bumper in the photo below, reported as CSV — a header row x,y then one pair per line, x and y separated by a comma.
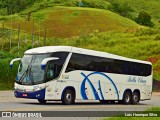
x,y
40,94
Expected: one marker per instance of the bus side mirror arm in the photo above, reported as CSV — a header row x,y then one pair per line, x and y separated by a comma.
x,y
14,60
44,62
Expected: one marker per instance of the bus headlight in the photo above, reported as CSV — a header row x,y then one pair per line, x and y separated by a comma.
x,y
15,88
38,95
36,88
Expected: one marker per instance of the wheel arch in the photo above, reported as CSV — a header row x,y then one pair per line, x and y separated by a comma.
x,y
127,90
68,88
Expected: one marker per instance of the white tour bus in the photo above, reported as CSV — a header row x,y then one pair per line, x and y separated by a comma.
x,y
68,73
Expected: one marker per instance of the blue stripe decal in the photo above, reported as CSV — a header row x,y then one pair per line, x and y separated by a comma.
x,y
83,93
92,87
99,85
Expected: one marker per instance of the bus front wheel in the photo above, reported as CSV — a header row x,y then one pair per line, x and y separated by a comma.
x,y
42,101
68,97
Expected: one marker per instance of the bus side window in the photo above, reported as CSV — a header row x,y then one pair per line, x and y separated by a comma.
x,y
148,70
76,62
70,67
142,72
125,68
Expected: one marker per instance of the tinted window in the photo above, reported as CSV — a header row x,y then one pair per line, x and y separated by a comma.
x,y
76,63
100,64
54,67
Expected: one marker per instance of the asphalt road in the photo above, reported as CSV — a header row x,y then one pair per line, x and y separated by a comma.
x,y
9,103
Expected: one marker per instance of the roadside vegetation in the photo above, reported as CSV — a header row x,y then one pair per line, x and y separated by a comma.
x,y
141,45
153,109
91,24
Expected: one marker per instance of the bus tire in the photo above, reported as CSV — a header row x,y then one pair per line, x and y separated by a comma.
x,y
127,98
135,98
68,97
42,101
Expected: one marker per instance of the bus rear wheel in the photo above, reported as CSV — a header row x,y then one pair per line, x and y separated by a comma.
x,y
42,101
127,98
68,97
135,98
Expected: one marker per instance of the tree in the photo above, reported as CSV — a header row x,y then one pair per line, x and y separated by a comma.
x,y
124,9
144,19
14,6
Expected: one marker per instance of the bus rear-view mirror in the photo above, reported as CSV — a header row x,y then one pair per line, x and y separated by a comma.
x,y
46,60
14,60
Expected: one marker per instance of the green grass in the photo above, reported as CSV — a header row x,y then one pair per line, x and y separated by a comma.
x,y
153,109
100,4
150,6
143,45
67,22
7,76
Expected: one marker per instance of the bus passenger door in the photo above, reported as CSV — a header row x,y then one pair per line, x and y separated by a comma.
x,y
53,86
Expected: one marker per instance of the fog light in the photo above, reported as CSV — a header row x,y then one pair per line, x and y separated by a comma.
x,y
37,95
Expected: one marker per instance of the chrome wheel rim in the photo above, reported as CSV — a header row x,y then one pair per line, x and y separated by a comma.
x,y
127,98
69,97
135,97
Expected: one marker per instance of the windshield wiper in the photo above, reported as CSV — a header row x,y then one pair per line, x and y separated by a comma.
x,y
24,75
30,74
26,72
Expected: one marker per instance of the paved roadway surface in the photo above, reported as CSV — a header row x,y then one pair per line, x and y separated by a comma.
x,y
9,103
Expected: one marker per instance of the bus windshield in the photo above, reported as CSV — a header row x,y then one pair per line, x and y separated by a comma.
x,y
29,70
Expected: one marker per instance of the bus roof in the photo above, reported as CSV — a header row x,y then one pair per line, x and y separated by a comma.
x,y
50,49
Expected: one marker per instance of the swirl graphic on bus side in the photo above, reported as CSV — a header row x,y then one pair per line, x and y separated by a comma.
x,y
95,93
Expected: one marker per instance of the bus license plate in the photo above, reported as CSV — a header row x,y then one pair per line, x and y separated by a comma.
x,y
24,95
